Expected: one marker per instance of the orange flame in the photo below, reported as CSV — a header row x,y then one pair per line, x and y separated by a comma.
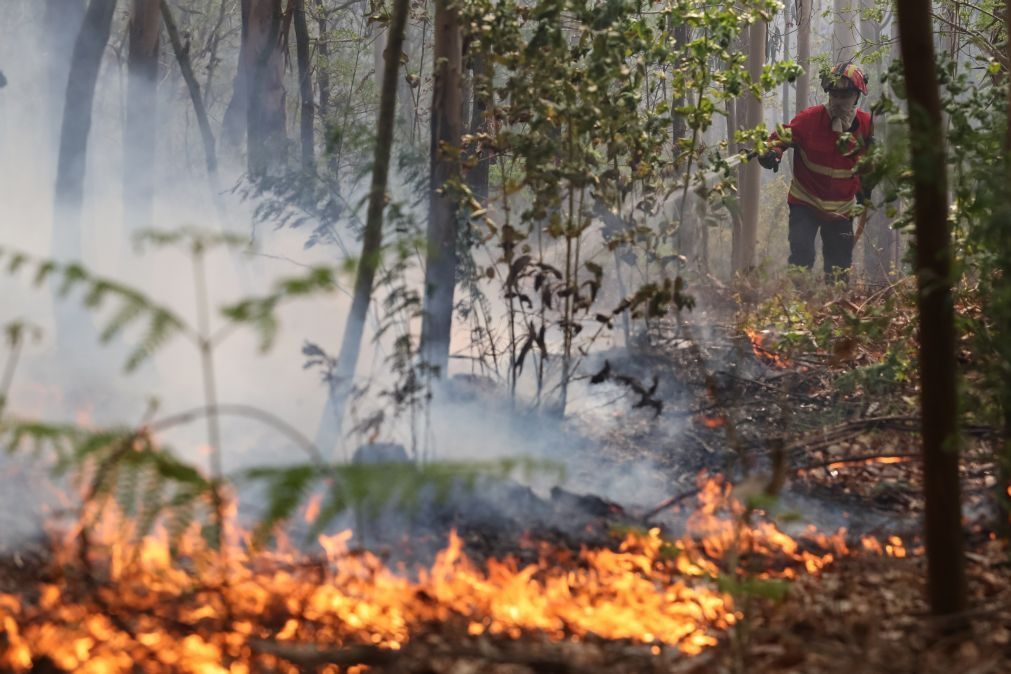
x,y
762,352
312,508
202,615
717,421
881,460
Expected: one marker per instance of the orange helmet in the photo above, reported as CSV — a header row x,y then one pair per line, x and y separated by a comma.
x,y
844,77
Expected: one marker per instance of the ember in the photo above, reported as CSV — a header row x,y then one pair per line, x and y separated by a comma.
x,y
197,611
717,421
880,460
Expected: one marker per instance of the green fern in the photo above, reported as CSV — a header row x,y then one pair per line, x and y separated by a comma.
x,y
194,239
134,307
123,467
259,313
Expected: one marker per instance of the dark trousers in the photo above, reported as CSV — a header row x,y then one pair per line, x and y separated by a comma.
x,y
836,241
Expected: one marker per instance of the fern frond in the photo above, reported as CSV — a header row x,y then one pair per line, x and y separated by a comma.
x,y
162,326
286,487
259,313
152,485
163,323
196,240
73,275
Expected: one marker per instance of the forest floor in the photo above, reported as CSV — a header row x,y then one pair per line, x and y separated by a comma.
x,y
837,373
809,395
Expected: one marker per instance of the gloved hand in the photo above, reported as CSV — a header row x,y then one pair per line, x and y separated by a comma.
x,y
770,160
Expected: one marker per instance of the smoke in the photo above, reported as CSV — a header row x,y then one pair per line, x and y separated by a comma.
x,y
76,378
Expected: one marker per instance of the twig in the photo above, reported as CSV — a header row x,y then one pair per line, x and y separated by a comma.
x,y
312,656
669,503
855,459
199,109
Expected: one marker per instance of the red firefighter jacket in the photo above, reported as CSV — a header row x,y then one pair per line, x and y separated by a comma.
x,y
824,163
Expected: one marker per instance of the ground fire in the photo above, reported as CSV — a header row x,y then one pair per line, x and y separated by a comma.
x,y
763,351
126,606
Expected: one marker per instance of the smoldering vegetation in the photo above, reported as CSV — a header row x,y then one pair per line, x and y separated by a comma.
x,y
67,373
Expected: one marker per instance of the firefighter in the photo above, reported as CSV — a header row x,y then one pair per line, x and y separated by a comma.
x,y
828,141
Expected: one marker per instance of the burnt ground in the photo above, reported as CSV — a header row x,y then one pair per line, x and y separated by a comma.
x,y
702,399
845,458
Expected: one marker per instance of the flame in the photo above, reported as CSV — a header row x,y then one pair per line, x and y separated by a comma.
x,y
893,547
199,611
312,508
881,460
764,353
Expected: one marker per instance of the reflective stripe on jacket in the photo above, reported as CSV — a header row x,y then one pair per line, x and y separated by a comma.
x,y
824,173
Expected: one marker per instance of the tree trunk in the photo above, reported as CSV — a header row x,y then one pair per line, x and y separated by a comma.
x,y
1007,77
732,149
307,122
378,49
323,78
405,91
878,238
77,110
844,40
682,32
266,138
946,581
803,53
440,273
61,23
1004,478
478,176
234,124
199,109
256,110
347,361
787,24
744,244
141,132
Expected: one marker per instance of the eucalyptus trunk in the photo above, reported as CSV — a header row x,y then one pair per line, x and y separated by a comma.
x,y
323,78
266,137
878,238
478,176
732,149
946,581
803,54
257,109
440,271
844,38
787,23
744,243
141,130
347,361
306,121
77,112
61,21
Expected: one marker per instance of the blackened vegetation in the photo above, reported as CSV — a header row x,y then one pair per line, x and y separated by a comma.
x,y
494,516
646,395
